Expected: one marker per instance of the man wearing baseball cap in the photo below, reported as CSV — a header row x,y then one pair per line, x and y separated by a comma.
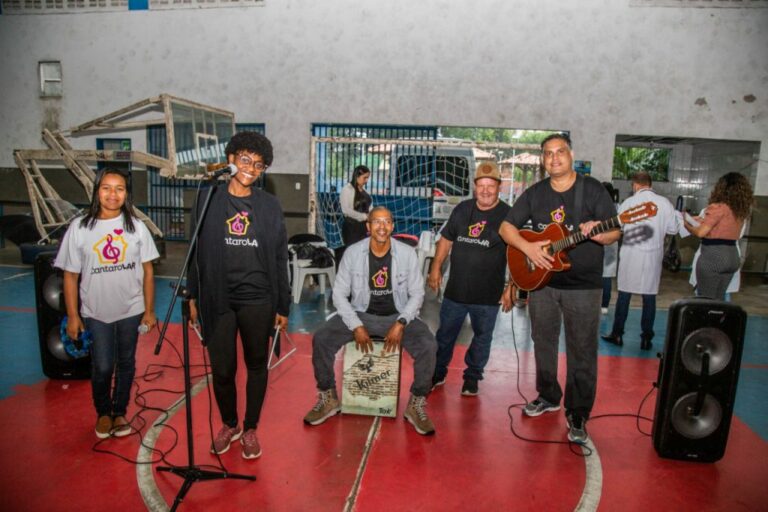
x,y
476,280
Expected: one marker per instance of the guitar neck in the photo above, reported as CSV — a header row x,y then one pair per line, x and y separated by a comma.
x,y
578,237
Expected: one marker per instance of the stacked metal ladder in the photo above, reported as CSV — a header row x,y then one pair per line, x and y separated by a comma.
x,y
48,208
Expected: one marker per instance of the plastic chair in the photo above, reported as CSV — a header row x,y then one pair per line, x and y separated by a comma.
x,y
425,251
301,268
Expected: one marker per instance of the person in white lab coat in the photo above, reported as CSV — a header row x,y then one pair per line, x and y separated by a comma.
x,y
640,256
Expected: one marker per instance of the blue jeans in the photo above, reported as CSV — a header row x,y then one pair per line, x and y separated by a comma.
x,y
114,344
606,292
646,320
452,315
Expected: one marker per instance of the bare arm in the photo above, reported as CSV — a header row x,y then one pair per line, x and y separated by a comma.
x,y
700,231
436,269
535,251
606,238
149,319
74,322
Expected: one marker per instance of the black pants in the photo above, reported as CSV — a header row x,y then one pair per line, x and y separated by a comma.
x,y
353,231
254,322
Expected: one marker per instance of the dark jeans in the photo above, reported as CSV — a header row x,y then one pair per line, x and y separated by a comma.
x,y
114,345
255,323
452,315
418,341
579,312
606,292
646,320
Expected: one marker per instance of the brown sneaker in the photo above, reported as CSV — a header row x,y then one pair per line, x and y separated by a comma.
x,y
251,447
416,415
224,438
327,405
121,427
103,427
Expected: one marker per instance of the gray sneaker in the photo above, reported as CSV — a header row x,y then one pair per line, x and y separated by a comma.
x,y
539,407
416,415
577,429
327,405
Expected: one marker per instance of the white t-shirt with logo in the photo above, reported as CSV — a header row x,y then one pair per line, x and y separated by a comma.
x,y
109,260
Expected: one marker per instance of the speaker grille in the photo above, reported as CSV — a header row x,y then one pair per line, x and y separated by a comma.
x,y
697,426
707,340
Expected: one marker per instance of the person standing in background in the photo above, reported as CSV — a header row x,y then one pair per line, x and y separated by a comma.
x,y
730,204
355,204
642,249
110,252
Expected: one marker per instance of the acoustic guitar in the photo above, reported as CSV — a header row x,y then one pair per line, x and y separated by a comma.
x,y
529,277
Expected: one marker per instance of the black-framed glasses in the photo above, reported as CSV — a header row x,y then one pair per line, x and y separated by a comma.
x,y
246,161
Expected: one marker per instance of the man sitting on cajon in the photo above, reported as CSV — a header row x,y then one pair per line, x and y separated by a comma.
x,y
378,292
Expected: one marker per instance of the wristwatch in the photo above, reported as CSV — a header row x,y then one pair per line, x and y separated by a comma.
x,y
402,321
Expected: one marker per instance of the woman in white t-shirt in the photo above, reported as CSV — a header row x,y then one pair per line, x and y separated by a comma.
x,y
109,252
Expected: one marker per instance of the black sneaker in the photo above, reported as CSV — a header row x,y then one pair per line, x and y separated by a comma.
x,y
577,429
470,388
539,407
437,382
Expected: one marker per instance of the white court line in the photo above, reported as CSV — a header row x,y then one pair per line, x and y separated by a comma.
x,y
145,476
593,486
373,433
16,275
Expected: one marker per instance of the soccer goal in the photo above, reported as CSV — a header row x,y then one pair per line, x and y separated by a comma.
x,y
420,181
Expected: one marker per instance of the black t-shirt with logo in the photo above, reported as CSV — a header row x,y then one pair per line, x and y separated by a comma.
x,y
542,205
478,254
382,301
243,257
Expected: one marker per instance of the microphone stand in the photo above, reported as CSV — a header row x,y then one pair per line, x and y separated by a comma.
x,y
191,473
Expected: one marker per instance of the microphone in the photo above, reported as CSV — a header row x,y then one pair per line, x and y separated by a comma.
x,y
216,170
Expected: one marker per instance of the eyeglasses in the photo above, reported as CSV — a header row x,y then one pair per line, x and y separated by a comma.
x,y
246,161
382,222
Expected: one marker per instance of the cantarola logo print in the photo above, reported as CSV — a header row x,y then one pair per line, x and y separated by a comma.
x,y
238,225
380,278
111,248
475,230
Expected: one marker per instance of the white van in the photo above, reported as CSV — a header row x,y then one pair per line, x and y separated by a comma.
x,y
443,174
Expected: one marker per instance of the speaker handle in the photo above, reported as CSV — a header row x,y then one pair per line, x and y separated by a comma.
x,y
703,384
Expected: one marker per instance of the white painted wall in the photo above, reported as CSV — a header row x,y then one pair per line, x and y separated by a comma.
x,y
595,67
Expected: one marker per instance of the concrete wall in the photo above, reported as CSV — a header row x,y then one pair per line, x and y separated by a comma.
x,y
594,67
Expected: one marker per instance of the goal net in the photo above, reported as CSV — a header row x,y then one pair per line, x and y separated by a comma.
x,y
420,181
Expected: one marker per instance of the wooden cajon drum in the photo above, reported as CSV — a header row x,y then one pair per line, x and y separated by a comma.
x,y
370,382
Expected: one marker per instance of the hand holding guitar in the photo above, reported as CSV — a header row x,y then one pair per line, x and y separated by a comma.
x,y
538,252
604,237
542,252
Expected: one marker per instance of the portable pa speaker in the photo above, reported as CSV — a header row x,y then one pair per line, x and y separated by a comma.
x,y
57,359
698,374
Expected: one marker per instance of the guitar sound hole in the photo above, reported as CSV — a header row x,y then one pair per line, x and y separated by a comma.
x,y
529,264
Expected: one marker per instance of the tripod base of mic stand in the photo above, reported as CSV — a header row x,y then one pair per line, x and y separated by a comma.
x,y
192,474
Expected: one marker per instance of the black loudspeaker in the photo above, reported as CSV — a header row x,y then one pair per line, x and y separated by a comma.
x,y
49,295
698,374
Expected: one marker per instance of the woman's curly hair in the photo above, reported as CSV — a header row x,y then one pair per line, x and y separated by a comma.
x,y
734,190
252,142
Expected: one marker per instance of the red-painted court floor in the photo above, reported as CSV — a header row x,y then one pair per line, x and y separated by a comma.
x,y
474,462
51,461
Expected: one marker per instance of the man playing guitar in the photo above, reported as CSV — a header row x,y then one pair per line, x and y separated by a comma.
x,y
571,297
